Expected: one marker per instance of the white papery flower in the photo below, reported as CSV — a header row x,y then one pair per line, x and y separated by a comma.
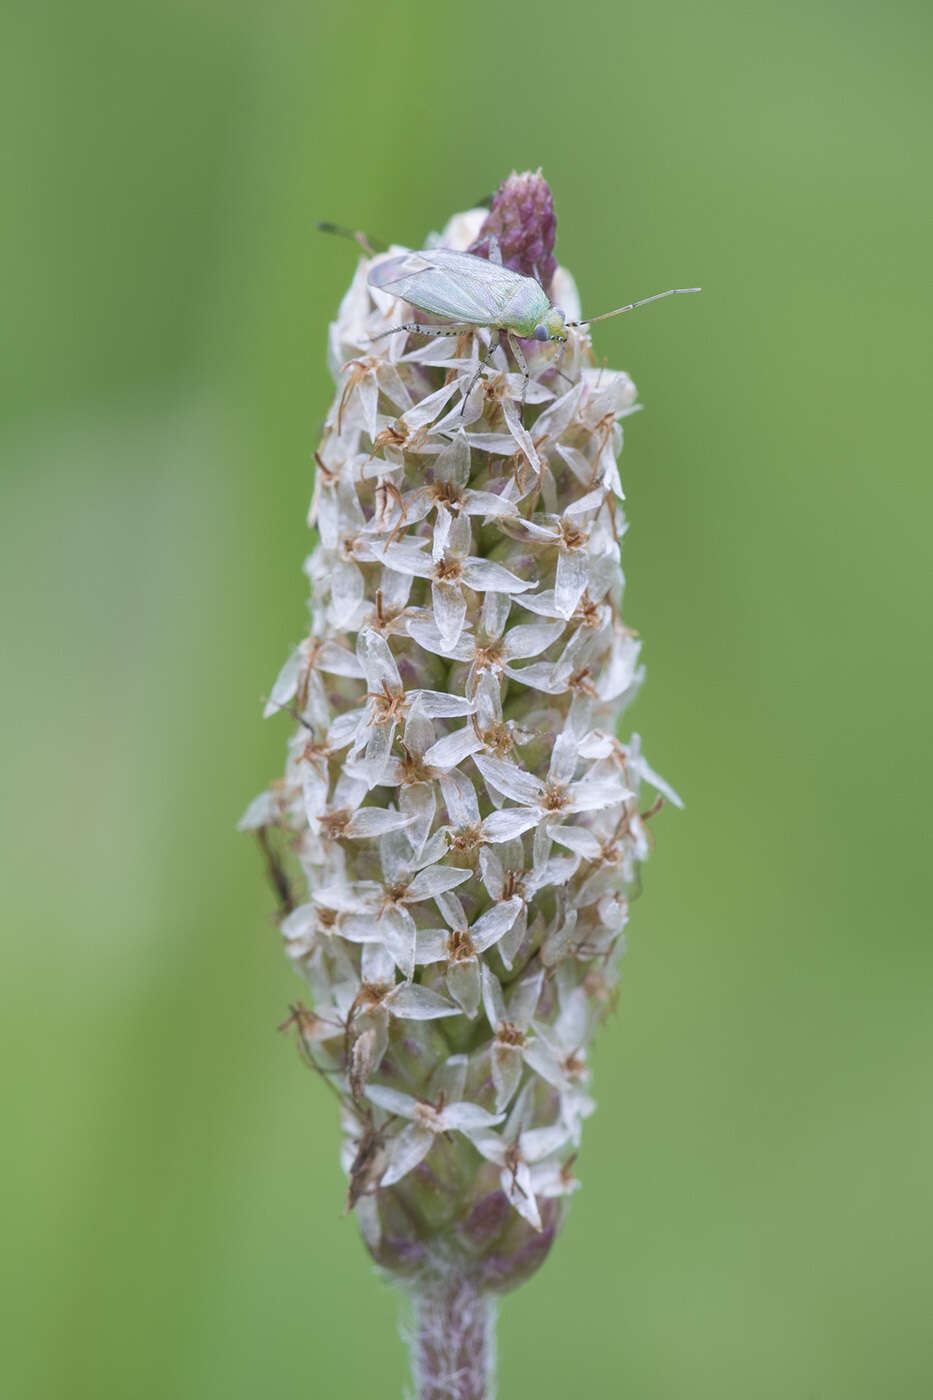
x,y
388,703
381,912
416,1139
520,1152
558,1054
451,569
546,800
511,1042
461,945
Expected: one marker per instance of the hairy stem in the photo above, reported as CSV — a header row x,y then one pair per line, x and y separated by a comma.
x,y
453,1347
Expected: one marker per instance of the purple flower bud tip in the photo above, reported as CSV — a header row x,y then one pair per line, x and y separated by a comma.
x,y
522,219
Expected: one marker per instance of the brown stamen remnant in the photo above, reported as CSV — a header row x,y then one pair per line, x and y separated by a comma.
x,y
460,946
396,435
368,1166
304,1021
507,1034
489,657
372,994
384,619
448,570
327,476
413,767
555,797
394,894
465,839
522,472
334,824
496,387
604,427
580,681
313,648
610,853
445,493
385,492
388,704
587,613
513,1159
275,869
497,739
324,477
513,885
600,990
357,371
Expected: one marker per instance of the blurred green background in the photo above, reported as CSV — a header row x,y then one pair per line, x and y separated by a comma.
x,y
756,1212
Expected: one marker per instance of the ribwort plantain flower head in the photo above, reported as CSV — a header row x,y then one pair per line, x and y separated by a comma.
x,y
459,826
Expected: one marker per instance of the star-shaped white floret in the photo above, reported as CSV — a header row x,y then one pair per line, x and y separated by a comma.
x,y
425,1122
510,1026
543,801
461,945
517,1151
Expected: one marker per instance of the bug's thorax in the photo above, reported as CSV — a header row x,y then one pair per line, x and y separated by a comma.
x,y
524,306
554,323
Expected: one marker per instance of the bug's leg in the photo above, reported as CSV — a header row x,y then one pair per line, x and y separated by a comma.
x,y
484,361
417,329
495,251
522,364
559,367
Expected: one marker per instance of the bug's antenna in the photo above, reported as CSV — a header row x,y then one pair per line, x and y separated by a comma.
x,y
674,292
370,246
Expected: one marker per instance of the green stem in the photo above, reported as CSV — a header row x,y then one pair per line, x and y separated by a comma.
x,y
453,1348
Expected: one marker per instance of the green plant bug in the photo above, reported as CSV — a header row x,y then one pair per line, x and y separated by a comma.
x,y
471,292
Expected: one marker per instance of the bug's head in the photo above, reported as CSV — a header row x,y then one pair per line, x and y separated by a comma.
x,y
552,325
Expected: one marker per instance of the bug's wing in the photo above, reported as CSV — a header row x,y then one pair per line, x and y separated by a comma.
x,y
458,286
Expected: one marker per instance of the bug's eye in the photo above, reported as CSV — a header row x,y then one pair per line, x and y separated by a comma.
x,y
540,332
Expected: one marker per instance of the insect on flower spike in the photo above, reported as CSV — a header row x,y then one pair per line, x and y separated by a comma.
x,y
471,292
